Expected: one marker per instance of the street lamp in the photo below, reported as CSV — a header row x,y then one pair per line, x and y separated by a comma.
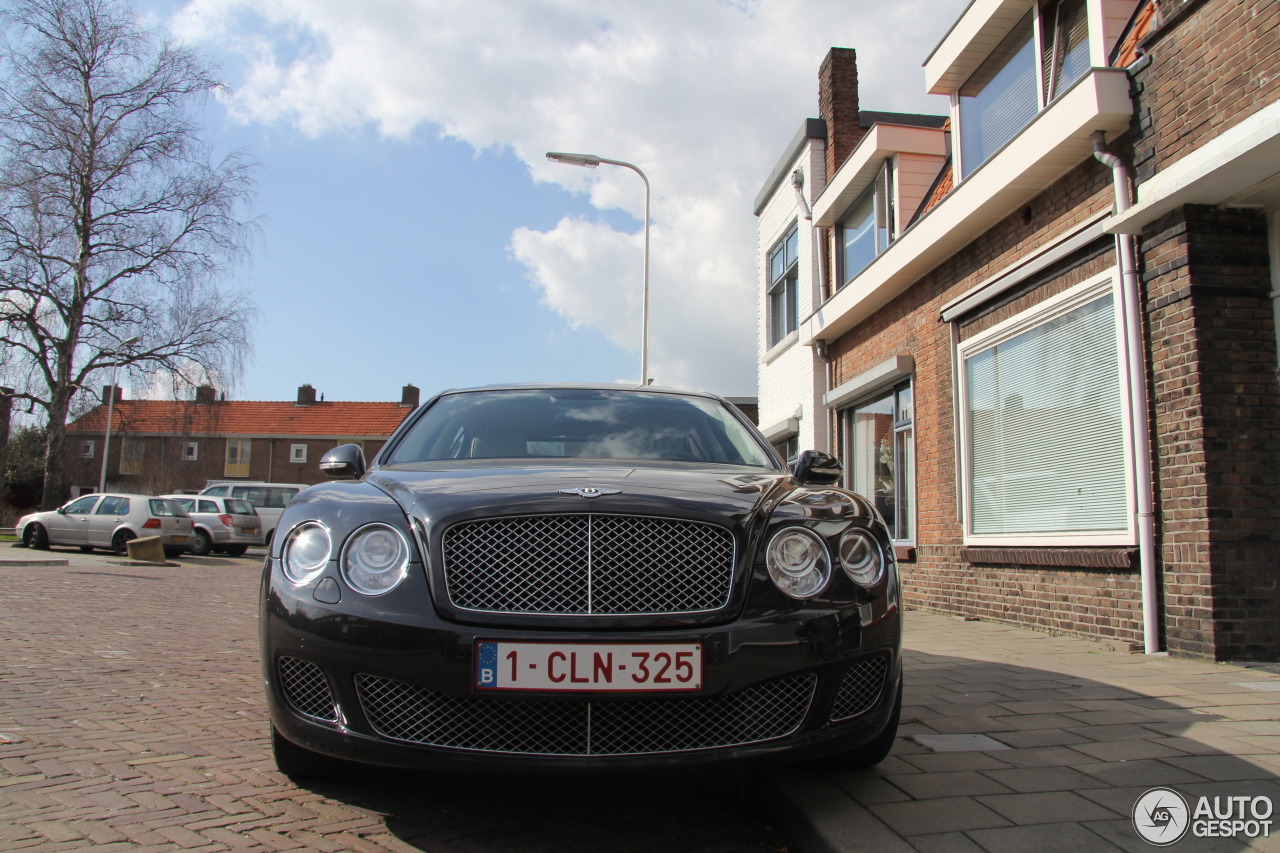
x,y
111,405
590,161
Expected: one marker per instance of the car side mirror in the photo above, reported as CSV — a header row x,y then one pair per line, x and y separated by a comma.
x,y
344,462
815,468
62,510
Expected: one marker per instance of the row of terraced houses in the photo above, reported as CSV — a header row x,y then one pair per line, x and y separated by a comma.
x,y
1039,330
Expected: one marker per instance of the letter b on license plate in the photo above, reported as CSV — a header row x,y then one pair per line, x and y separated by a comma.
x,y
589,667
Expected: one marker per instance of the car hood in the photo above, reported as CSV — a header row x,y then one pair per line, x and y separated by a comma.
x,y
719,490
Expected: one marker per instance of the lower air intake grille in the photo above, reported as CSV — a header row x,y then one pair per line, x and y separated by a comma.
x,y
306,688
860,688
764,712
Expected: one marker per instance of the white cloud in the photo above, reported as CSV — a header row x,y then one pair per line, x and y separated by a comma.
x,y
702,95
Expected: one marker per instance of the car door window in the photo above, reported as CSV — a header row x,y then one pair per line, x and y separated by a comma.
x,y
216,490
81,506
186,503
113,506
205,506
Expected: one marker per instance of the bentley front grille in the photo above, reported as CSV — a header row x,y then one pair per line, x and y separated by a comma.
x,y
306,688
860,688
606,565
763,712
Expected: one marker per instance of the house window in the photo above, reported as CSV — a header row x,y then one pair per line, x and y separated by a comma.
x,y
867,228
237,457
784,304
1000,98
191,451
132,454
1064,50
86,450
789,449
298,453
1045,443
881,452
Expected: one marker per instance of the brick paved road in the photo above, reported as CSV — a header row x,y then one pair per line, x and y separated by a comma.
x,y
132,718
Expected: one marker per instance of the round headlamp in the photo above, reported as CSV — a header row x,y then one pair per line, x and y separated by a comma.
x,y
861,558
798,562
375,559
306,552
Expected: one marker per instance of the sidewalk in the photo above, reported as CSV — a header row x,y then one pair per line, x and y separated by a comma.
x,y
1077,733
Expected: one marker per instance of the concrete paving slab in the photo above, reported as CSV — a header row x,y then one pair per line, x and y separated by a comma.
x,y
957,783
959,743
1045,807
951,814
1029,780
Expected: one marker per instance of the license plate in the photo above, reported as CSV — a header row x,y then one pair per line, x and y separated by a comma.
x,y
178,538
248,530
589,667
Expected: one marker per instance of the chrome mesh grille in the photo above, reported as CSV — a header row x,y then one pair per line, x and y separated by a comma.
x,y
587,564
763,712
860,688
306,688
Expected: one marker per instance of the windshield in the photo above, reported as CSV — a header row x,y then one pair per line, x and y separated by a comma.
x,y
166,508
240,507
580,424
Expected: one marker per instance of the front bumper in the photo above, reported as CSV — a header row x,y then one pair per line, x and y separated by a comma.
x,y
389,682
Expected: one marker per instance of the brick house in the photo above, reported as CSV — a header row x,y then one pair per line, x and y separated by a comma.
x,y
1064,404
162,446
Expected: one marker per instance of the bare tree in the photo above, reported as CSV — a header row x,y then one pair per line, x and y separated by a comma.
x,y
115,220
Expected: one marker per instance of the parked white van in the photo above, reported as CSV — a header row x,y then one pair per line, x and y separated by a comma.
x,y
269,499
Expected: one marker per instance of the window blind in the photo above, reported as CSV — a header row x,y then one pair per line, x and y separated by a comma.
x,y
1000,98
1046,437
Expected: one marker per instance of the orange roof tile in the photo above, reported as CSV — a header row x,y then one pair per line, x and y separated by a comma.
x,y
1141,25
245,417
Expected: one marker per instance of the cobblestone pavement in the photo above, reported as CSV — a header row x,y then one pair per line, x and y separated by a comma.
x,y
132,718
1079,730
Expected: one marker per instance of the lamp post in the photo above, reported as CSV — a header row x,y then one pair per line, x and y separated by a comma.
x,y
590,161
111,405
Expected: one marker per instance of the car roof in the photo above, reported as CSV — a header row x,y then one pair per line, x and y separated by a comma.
x,y
239,483
583,386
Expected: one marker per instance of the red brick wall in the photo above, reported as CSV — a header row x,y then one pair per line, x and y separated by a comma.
x,y
838,104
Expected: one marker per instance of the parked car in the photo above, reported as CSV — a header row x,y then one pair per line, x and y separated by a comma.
x,y
228,525
570,577
108,520
269,499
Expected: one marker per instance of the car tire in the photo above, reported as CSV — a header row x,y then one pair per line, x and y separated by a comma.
x,y
201,543
120,543
876,750
86,549
35,537
301,764
235,550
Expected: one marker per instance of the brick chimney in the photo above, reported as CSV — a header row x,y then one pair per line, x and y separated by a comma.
x,y
205,395
306,396
409,396
838,105
106,393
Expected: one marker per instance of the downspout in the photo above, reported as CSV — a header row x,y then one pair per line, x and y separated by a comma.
x,y
1141,428
818,241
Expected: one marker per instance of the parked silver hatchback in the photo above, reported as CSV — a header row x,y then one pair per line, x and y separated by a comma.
x,y
108,521
228,525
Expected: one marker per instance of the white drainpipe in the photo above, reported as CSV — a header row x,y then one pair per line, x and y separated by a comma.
x,y
1141,428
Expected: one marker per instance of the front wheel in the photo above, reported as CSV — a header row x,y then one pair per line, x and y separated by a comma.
x,y
300,763
35,537
201,544
120,543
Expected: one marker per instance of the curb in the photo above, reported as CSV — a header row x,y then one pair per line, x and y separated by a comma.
x,y
821,818
20,563
143,563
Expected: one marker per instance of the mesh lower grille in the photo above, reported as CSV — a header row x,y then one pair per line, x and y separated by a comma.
x,y
585,564
860,688
306,688
764,712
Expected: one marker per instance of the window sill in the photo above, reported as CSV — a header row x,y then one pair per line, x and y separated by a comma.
x,y
779,348
1123,558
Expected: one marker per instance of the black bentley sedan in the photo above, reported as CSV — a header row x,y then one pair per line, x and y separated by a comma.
x,y
579,577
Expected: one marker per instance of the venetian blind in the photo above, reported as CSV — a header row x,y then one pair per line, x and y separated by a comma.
x,y
1046,440
1000,98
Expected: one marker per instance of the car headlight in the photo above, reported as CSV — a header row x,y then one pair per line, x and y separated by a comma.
x,y
798,562
306,552
375,559
861,558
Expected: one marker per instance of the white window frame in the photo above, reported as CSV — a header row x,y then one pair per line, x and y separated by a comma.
x,y
298,454
86,445
1056,306
844,413
191,451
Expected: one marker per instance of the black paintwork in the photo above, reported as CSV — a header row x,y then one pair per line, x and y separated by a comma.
x,y
414,634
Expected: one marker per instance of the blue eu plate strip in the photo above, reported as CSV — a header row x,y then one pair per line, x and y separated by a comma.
x,y
486,664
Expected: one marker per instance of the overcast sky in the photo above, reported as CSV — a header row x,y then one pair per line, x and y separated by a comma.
x,y
413,230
